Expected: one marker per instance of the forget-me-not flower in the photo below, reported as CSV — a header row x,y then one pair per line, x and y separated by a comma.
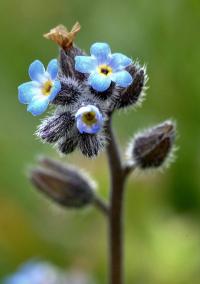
x,y
89,119
104,67
43,88
36,273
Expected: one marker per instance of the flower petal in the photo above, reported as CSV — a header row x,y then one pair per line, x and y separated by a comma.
x,y
81,125
101,51
84,128
95,128
16,279
36,70
99,82
52,68
27,91
55,90
85,109
85,64
119,61
38,105
122,78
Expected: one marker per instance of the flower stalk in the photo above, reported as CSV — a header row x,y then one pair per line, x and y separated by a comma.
x,y
115,224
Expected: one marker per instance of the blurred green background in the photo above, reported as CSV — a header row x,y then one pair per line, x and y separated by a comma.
x,y
162,217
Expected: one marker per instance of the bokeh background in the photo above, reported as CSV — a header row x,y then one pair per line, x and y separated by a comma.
x,y
162,216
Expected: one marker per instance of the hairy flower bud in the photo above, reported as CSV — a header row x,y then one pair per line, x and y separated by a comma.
x,y
68,143
67,63
55,127
71,91
133,94
91,144
63,184
153,147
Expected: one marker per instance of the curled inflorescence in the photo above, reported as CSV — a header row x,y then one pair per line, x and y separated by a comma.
x,y
84,91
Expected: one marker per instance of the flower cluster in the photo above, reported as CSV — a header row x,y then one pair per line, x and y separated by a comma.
x,y
84,90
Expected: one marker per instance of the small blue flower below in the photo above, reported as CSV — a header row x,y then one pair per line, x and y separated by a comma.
x,y
104,67
43,88
35,273
89,119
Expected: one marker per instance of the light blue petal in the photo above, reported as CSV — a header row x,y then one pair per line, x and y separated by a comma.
x,y
17,279
27,91
99,117
95,128
122,78
36,70
84,128
119,61
55,90
38,105
101,51
85,64
99,82
87,108
52,68
80,125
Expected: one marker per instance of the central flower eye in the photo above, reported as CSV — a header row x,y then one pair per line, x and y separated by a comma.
x,y
89,118
105,70
46,90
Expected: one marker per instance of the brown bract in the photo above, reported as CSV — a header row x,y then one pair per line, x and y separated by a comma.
x,y
62,36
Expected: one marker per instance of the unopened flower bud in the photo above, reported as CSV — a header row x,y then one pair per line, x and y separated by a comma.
x,y
134,94
63,184
153,147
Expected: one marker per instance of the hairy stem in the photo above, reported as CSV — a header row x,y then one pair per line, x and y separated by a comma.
x,y
117,178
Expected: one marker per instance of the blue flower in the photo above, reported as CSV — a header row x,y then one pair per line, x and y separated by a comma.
x,y
104,67
36,273
43,88
89,119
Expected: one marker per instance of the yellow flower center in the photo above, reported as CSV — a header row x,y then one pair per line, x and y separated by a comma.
x,y
105,70
89,118
46,90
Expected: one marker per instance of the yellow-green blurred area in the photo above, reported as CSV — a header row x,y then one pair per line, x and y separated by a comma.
x,y
162,210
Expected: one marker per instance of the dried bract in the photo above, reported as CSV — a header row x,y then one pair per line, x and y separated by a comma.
x,y
62,36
